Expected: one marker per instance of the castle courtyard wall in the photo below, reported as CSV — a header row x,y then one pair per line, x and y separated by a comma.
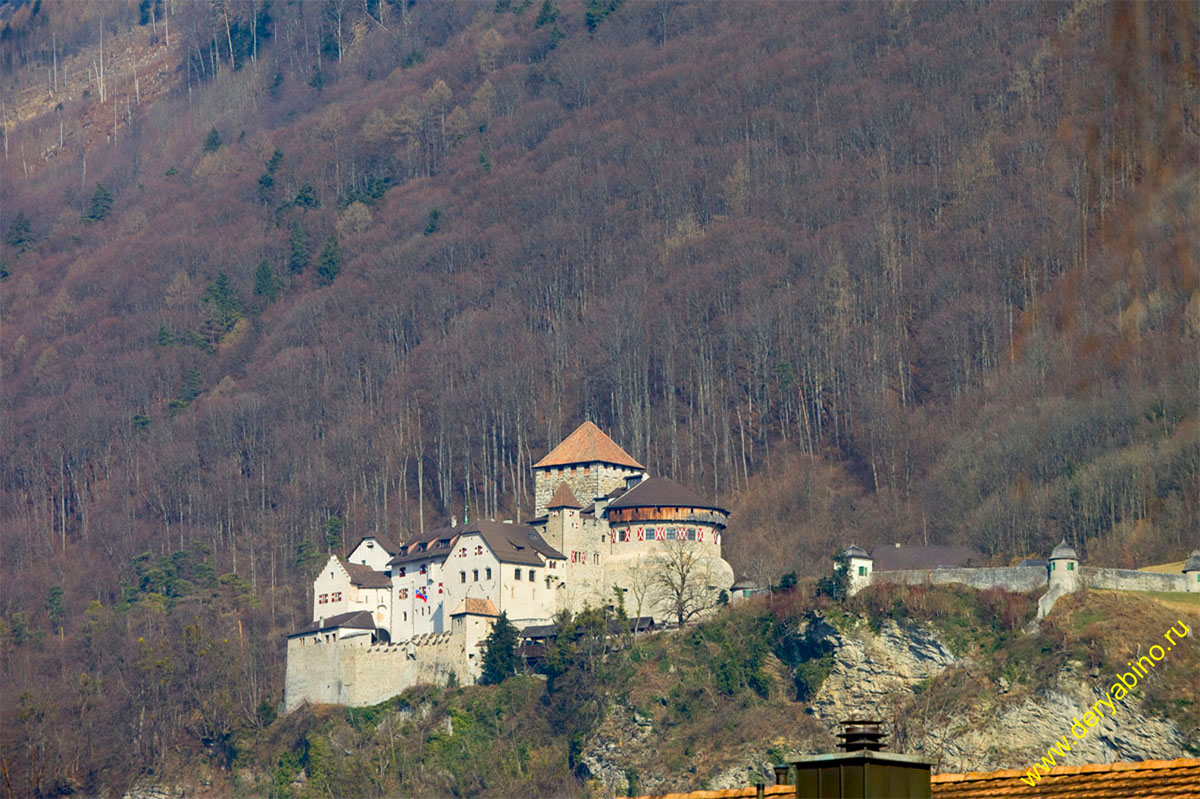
x,y
1130,580
1015,578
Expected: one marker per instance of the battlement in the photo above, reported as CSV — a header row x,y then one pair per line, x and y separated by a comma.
x,y
359,671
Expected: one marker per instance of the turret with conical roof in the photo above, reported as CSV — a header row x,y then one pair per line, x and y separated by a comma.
x,y
588,461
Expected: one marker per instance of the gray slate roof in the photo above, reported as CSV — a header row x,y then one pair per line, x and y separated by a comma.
x,y
659,492
514,543
388,544
364,576
355,620
433,544
1064,550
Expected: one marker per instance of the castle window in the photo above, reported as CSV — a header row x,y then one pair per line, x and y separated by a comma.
x,y
862,571
475,575
553,565
403,571
623,535
488,571
596,558
516,574
323,599
337,596
424,568
532,575
691,534
462,577
670,533
1070,566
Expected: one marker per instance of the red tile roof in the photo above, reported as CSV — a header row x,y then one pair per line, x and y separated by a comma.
x,y
748,792
563,497
475,607
588,444
1155,779
1149,778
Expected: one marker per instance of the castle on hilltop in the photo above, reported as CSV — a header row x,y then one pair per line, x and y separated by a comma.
x,y
391,615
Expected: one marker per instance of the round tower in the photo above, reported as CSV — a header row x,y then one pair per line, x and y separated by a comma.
x,y
1064,567
1191,572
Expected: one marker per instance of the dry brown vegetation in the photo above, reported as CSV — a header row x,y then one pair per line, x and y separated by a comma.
x,y
908,272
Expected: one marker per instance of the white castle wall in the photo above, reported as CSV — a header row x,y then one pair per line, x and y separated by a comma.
x,y
1016,578
1130,580
322,669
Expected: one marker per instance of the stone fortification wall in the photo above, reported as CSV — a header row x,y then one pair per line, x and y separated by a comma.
x,y
1015,578
1130,580
356,672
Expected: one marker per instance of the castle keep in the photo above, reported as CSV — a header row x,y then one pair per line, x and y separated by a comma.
x,y
391,615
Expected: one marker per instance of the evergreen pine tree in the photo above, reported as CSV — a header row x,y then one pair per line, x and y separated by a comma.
x,y
212,142
299,257
101,204
330,262
500,656
265,283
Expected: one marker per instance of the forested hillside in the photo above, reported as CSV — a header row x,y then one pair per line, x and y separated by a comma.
x,y
278,274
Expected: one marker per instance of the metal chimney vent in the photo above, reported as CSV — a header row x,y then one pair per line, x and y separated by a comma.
x,y
861,735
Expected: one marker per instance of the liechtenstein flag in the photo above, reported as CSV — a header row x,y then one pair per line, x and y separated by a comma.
x,y
420,594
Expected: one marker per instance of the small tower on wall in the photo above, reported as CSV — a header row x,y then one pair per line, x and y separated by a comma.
x,y
1064,568
1063,571
588,461
1191,572
562,515
859,566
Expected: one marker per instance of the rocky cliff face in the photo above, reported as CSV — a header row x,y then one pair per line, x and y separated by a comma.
x,y
881,675
933,703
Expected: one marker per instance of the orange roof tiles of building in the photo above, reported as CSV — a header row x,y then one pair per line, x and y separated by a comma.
x,y
475,607
1149,778
588,444
1156,779
563,497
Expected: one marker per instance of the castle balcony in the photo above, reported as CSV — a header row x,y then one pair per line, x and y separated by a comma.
x,y
667,514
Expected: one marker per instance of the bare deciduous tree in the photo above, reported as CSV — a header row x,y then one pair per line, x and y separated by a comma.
x,y
681,581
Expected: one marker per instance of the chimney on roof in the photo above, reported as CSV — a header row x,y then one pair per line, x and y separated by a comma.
x,y
861,764
860,735
601,506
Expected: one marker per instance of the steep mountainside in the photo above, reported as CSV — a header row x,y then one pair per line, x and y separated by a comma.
x,y
275,275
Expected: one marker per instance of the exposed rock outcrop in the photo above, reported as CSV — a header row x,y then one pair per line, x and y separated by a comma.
x,y
872,671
